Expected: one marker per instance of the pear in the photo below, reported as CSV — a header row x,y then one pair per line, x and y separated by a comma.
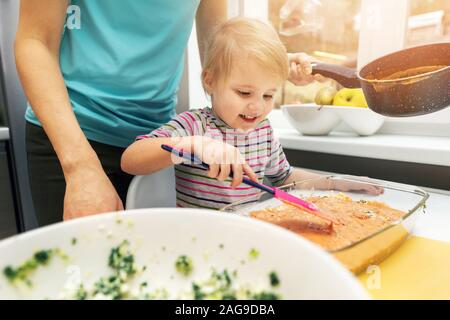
x,y
325,96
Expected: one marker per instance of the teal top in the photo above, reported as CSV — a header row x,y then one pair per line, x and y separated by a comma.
x,y
122,62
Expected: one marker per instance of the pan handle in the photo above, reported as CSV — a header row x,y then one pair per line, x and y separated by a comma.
x,y
343,75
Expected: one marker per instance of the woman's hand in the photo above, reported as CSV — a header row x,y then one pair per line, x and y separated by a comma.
x,y
300,69
89,191
223,159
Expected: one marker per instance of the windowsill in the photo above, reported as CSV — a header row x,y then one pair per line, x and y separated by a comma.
x,y
4,133
392,142
417,149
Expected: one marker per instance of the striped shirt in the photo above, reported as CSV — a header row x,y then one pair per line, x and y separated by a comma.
x,y
262,151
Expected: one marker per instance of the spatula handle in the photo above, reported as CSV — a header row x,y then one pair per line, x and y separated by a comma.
x,y
194,159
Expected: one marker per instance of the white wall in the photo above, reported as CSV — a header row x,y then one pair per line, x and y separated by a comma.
x,y
197,96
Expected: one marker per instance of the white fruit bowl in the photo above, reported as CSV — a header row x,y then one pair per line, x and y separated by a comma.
x,y
158,236
363,121
312,119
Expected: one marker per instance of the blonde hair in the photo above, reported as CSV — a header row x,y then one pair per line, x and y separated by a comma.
x,y
244,38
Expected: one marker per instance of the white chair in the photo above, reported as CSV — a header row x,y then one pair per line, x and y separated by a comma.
x,y
155,190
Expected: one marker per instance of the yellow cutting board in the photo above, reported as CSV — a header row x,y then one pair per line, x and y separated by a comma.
x,y
419,269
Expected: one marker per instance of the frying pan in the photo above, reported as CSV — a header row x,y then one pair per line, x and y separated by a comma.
x,y
410,82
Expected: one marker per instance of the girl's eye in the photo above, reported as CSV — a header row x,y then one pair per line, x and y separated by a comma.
x,y
244,93
268,97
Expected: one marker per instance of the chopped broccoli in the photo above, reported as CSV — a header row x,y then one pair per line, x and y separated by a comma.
x,y
253,254
121,259
22,272
274,280
184,265
266,296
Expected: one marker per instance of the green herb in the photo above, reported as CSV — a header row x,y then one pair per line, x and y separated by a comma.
x,y
229,296
274,280
110,287
74,241
22,272
221,246
121,259
42,257
266,296
81,293
184,265
220,286
224,277
198,294
253,254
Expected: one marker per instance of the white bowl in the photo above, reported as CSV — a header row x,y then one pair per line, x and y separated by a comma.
x,y
311,119
158,236
363,121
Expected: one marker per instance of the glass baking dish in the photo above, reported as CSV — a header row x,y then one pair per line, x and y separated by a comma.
x,y
369,250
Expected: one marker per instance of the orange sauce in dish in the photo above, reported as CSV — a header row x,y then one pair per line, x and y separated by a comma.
x,y
357,220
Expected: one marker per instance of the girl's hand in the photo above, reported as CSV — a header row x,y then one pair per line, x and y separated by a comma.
x,y
358,186
223,159
300,69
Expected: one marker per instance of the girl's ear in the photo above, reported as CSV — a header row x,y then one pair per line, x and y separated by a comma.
x,y
207,81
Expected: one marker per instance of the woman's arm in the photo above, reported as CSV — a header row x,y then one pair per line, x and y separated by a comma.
x,y
37,58
209,14
36,47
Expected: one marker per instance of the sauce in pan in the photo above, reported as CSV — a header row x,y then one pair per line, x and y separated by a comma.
x,y
412,72
408,73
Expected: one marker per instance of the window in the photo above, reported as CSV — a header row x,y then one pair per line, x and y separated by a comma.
x,y
348,32
428,21
325,29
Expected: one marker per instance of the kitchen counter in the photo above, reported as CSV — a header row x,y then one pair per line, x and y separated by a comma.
x,y
416,149
419,268
4,133
435,223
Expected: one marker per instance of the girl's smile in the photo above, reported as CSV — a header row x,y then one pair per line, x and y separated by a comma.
x,y
249,119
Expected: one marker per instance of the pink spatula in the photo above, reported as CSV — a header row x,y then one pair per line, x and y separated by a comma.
x,y
277,193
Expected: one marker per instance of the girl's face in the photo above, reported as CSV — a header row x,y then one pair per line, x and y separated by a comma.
x,y
244,99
